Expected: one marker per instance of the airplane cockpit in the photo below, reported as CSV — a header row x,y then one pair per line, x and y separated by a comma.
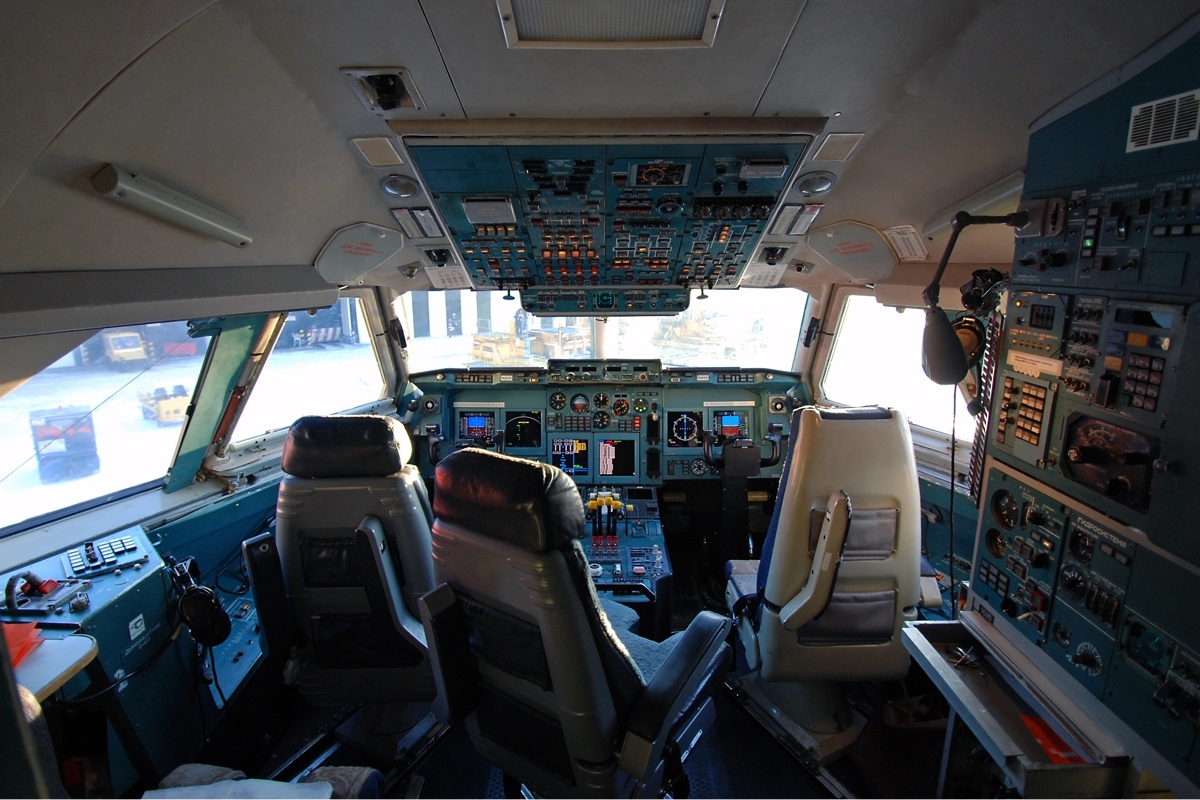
x,y
703,398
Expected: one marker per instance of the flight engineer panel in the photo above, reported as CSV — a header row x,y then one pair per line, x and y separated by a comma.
x,y
1086,548
604,423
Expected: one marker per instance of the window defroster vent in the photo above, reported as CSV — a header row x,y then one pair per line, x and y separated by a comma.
x,y
1171,120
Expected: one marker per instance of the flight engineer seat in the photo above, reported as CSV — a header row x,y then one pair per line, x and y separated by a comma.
x,y
353,533
840,567
523,651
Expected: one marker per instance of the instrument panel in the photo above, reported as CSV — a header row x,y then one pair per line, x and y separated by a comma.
x,y
602,422
604,228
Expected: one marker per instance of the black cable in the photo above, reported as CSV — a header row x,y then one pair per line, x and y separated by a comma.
x,y
212,660
953,442
128,676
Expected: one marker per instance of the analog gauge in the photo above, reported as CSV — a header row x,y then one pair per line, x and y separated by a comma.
x,y
1082,546
579,403
640,406
620,407
1074,582
699,467
558,401
1006,509
601,400
995,543
600,420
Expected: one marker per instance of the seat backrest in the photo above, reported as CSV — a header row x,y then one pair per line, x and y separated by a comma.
x,y
353,534
555,685
866,453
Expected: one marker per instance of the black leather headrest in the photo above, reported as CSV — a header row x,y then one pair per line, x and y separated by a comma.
x,y
866,412
346,447
532,505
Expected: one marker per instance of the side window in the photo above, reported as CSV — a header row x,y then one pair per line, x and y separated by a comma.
x,y
104,418
876,360
323,363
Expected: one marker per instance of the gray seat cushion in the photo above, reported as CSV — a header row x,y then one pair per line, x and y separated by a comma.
x,y
621,617
649,655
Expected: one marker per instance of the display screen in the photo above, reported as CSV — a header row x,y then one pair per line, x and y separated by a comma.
x,y
731,424
639,494
683,428
476,424
570,455
1145,319
522,429
618,457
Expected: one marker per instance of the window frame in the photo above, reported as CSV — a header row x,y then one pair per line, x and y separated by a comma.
x,y
932,448
265,450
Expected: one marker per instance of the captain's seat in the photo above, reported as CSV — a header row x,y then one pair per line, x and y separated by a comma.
x,y
353,533
523,651
840,568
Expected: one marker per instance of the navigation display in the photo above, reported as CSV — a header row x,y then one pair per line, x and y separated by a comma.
x,y
618,458
476,424
570,455
522,429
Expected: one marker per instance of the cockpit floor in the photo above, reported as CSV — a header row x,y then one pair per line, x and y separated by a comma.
x,y
736,758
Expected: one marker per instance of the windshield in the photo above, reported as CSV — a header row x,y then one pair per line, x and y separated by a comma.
x,y
103,418
742,328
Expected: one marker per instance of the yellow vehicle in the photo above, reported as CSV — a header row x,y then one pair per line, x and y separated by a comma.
x,y
164,408
124,348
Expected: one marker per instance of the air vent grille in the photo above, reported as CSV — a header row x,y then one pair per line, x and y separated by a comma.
x,y
610,24
838,146
1171,120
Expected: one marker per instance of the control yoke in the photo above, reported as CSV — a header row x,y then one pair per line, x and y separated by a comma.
x,y
742,457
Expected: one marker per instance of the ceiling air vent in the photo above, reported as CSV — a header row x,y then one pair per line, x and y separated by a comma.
x,y
588,24
838,146
1171,120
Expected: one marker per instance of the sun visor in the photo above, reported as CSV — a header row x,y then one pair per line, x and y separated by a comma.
x,y
855,248
355,250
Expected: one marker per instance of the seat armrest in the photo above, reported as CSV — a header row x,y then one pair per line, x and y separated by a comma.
x,y
814,597
689,666
449,654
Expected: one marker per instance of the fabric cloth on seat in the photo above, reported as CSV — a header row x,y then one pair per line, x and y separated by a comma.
x,y
647,653
621,617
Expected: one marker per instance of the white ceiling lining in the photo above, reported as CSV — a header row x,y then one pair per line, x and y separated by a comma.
x,y
725,80
209,112
52,68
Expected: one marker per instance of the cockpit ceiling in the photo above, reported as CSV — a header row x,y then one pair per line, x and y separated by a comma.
x,y
243,106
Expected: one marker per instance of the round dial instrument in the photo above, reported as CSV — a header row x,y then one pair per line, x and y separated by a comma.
x,y
640,406
995,543
579,403
1005,509
600,420
620,407
1074,582
600,400
1082,546
699,467
558,401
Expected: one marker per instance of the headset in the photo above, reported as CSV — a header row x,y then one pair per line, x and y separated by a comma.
x,y
199,607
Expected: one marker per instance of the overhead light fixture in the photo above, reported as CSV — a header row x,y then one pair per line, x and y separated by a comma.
x,y
837,146
614,24
378,151
398,186
999,198
811,184
151,197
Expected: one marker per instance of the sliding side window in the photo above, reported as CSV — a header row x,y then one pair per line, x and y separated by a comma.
x,y
101,421
876,360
